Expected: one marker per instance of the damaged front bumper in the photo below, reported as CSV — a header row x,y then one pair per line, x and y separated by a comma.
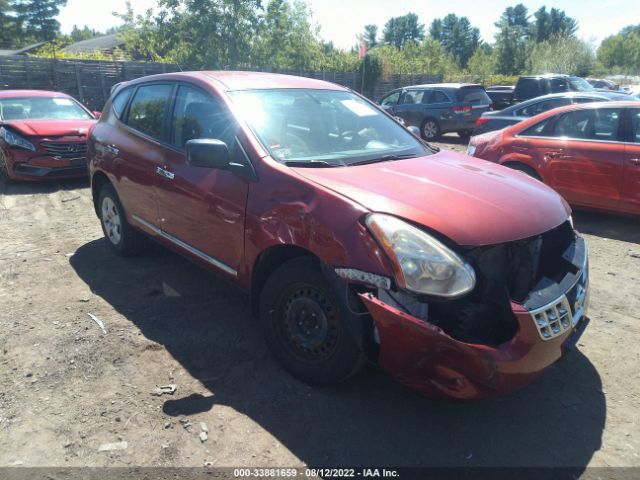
x,y
423,357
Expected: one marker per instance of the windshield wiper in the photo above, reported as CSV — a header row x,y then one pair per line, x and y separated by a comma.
x,y
310,163
385,158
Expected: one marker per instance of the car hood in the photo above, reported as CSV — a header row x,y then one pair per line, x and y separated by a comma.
x,y
471,201
51,128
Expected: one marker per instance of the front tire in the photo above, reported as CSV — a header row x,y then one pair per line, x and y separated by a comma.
x,y
122,237
524,169
465,135
430,130
4,169
305,324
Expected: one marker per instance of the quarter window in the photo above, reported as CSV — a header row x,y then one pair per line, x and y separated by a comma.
x,y
635,122
120,102
439,97
536,130
147,109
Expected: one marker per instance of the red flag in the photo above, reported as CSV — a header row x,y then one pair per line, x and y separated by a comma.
x,y
363,50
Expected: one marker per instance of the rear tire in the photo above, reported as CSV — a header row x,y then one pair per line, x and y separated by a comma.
x,y
430,130
305,324
527,170
121,236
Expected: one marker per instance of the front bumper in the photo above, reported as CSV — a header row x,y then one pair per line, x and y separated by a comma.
x,y
423,357
26,165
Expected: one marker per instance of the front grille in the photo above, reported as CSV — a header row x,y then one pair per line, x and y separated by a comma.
x,y
66,150
554,319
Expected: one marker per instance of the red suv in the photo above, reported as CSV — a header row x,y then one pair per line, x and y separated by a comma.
x,y
590,153
42,135
355,240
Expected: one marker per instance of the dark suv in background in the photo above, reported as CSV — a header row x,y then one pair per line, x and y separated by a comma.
x,y
532,86
438,108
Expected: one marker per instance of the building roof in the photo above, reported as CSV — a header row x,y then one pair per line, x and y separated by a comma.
x,y
24,50
103,43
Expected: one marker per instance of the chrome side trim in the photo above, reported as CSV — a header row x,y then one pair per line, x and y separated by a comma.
x,y
201,255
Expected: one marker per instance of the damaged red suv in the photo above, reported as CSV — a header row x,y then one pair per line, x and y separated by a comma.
x,y
42,135
356,241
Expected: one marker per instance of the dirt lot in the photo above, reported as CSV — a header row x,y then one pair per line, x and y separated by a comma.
x,y
66,388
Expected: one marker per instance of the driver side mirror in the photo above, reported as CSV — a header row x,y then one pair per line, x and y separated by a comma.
x,y
415,131
208,153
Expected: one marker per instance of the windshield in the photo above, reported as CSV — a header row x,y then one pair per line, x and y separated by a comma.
x,y
580,84
53,108
330,128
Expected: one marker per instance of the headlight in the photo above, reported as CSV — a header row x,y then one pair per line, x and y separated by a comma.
x,y
422,264
471,149
15,139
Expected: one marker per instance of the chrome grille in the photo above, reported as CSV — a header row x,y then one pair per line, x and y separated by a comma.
x,y
554,319
66,150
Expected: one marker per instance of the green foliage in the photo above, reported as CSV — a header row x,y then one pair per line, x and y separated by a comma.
x,y
621,52
457,37
561,54
371,72
554,23
370,35
511,40
36,19
398,31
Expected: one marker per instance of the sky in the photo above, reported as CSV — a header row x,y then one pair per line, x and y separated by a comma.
x,y
341,21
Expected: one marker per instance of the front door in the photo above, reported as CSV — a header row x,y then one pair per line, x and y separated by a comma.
x,y
202,210
631,184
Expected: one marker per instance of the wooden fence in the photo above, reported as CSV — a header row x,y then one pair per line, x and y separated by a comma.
x,y
90,81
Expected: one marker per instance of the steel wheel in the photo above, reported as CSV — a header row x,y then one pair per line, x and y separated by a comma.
x,y
308,324
111,220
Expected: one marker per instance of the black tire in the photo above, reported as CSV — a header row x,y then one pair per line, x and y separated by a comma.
x,y
304,320
524,169
430,130
464,134
121,236
4,170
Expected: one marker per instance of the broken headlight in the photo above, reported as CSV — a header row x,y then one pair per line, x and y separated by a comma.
x,y
421,263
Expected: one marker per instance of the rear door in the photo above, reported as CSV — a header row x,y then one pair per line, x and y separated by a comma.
x,y
137,146
439,105
584,157
631,183
203,209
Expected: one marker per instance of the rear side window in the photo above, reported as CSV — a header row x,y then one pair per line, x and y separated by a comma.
x,y
536,130
439,97
592,124
528,88
147,110
539,107
557,85
476,96
120,102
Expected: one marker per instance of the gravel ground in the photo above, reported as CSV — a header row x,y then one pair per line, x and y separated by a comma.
x,y
67,388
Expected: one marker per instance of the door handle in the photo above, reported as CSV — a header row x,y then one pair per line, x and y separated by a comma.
x,y
112,149
556,154
165,173
634,161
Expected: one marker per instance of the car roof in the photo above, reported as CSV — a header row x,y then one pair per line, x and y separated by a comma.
x,y
443,85
547,75
241,80
30,93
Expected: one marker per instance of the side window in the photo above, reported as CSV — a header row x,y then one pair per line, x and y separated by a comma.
x,y
537,130
591,124
120,102
413,96
147,109
539,107
528,88
198,115
391,99
439,97
635,124
584,100
558,85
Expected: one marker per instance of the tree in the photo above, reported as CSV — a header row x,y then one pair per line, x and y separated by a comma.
x,y
400,30
552,23
562,54
77,34
622,51
370,36
457,37
511,40
37,18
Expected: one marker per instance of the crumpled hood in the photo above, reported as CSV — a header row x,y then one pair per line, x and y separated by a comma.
x,y
51,128
471,201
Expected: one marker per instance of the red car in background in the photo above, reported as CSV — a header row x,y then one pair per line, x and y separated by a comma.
x,y
43,135
588,153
